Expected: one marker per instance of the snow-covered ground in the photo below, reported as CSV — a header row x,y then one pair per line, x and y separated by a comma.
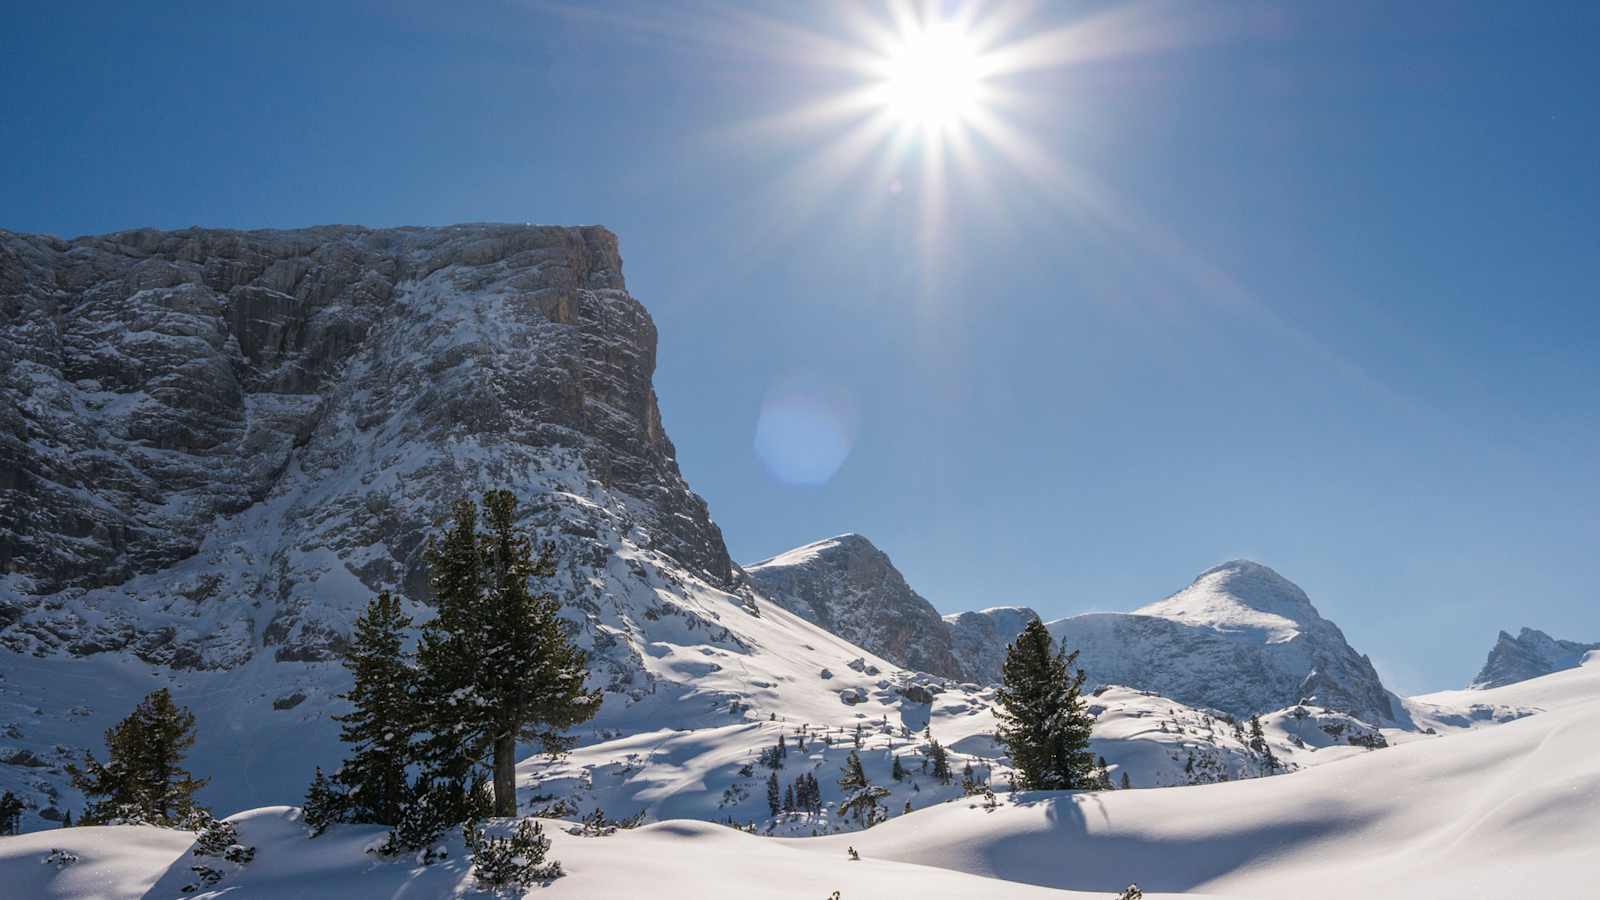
x,y
1511,810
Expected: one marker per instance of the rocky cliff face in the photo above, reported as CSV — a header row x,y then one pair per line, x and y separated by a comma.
x,y
849,587
216,446
1530,654
155,381
979,639
1242,639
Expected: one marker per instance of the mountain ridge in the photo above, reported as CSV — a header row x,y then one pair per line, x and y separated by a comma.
x,y
1531,654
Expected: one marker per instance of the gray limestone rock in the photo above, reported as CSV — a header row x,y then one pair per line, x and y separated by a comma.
x,y
1528,655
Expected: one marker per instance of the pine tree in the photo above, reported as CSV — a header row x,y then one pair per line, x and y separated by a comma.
x,y
67,821
496,663
897,771
142,779
861,796
1126,781
852,777
941,762
1258,738
774,798
1041,716
788,798
382,725
326,803
1258,743
10,814
783,749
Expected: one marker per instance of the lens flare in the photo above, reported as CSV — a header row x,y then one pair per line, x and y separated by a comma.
x,y
805,431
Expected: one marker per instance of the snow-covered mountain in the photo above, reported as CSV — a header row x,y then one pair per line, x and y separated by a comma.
x,y
848,586
1241,638
1528,655
218,445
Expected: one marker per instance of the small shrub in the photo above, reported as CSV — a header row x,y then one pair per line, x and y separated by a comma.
x,y
518,859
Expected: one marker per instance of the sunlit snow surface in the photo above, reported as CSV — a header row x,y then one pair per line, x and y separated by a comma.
x,y
1491,812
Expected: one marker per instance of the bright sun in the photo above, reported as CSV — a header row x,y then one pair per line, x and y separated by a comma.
x,y
933,78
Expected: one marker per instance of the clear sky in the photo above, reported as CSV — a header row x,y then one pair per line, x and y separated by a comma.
x,y
1310,283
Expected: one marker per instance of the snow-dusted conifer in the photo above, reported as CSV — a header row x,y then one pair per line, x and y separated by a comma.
x,y
381,726
852,776
861,796
496,662
774,798
326,802
940,758
1041,715
143,779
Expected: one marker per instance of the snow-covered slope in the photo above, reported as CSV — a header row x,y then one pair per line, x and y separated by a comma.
x,y
1483,815
1502,812
1241,638
217,446
1528,655
848,586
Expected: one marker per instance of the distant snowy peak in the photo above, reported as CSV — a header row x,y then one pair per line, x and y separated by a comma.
x,y
1530,654
1239,594
848,586
1240,638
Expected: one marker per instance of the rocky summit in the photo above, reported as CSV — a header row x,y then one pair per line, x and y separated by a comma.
x,y
1530,654
849,587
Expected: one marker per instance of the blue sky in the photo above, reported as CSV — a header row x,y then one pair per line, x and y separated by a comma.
x,y
1309,283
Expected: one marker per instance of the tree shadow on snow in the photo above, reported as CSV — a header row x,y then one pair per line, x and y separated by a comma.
x,y
1070,856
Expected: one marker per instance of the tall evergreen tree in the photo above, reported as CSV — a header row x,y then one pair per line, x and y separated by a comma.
x,y
143,779
381,727
1041,715
774,797
496,663
941,761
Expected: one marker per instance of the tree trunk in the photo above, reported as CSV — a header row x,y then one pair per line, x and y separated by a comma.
x,y
505,776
